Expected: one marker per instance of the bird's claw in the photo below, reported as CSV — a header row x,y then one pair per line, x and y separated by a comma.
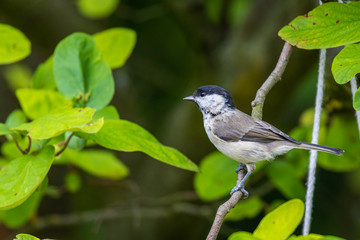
x,y
245,194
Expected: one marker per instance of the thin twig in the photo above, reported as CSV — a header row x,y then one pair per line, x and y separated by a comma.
x,y
274,77
257,105
18,146
65,143
27,150
224,209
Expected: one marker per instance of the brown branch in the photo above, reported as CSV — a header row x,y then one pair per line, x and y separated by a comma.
x,y
274,77
257,106
224,209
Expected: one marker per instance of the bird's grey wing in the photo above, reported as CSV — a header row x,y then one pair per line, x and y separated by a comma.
x,y
242,127
265,132
233,126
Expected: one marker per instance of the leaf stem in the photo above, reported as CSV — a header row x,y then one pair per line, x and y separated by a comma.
x,y
18,146
65,143
27,150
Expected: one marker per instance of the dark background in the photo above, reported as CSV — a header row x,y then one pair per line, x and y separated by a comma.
x,y
181,45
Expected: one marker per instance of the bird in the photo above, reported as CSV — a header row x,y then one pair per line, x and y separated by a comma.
x,y
241,137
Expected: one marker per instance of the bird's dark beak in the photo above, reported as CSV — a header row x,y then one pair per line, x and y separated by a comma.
x,y
189,98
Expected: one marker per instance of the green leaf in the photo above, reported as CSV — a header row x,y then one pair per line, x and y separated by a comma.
x,y
96,162
18,216
44,75
18,76
95,9
10,151
108,112
311,236
356,102
216,177
248,208
283,176
76,143
281,223
16,118
23,236
14,45
327,26
126,136
346,64
242,236
342,134
4,129
22,176
60,121
116,45
73,181
327,237
80,72
3,162
39,102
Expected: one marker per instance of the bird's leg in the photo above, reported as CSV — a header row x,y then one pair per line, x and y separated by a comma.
x,y
240,187
241,167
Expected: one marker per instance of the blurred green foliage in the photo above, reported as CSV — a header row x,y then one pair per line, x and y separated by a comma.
x,y
82,75
180,45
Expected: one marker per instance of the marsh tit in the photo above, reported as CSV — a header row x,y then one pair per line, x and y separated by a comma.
x,y
241,137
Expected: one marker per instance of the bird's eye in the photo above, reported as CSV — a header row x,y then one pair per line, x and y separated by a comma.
x,y
202,94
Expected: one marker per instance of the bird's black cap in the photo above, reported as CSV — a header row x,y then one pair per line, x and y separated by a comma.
x,y
213,89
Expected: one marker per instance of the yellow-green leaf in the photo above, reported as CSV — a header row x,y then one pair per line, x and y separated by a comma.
x,y
216,177
18,216
62,120
116,45
247,208
21,176
243,236
96,162
95,9
44,75
329,25
4,129
346,64
126,136
14,45
39,102
281,223
23,236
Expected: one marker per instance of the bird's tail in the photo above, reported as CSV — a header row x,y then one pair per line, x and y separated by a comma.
x,y
327,149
